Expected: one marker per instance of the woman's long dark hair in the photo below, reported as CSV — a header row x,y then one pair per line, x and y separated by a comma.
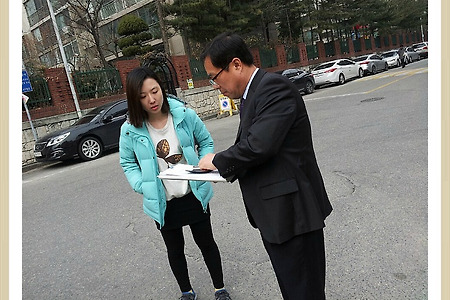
x,y
136,113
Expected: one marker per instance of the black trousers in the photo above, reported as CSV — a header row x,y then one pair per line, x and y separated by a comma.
x,y
299,265
203,237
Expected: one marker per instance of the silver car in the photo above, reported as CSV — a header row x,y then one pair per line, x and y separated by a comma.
x,y
421,48
372,63
411,54
392,58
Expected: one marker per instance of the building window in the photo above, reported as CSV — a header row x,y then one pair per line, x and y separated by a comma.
x,y
111,8
30,7
71,50
62,24
37,34
45,59
36,10
131,2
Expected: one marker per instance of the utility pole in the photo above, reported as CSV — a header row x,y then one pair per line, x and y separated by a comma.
x,y
63,55
421,30
162,26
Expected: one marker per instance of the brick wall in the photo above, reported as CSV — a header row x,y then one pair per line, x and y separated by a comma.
x,y
183,69
124,67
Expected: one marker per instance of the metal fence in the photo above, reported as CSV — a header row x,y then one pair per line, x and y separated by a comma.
x,y
197,69
394,40
97,83
357,45
268,58
344,46
368,44
378,42
311,51
40,96
329,49
292,55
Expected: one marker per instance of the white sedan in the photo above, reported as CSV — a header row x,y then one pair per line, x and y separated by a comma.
x,y
392,58
336,71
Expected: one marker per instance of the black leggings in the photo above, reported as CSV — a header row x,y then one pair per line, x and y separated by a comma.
x,y
203,237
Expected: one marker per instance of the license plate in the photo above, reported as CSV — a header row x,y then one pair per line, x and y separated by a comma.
x,y
37,154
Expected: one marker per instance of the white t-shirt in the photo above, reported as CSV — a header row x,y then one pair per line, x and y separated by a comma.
x,y
169,153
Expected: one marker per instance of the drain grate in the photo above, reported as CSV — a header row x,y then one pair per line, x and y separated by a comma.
x,y
372,99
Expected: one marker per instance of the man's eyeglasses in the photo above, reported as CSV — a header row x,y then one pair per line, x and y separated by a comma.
x,y
212,80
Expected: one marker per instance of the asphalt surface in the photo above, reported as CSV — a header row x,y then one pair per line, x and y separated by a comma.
x,y
85,236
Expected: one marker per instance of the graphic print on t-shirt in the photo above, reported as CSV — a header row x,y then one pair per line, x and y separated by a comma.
x,y
163,149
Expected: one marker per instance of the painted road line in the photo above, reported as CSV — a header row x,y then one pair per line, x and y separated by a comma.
x,y
405,74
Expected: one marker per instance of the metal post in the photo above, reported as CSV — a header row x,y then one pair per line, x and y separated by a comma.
x,y
63,55
29,119
421,30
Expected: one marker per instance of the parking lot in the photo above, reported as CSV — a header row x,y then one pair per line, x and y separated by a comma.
x,y
85,236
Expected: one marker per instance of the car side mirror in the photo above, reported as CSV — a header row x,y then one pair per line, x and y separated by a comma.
x,y
107,119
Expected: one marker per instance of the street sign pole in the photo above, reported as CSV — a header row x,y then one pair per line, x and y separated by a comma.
x,y
24,101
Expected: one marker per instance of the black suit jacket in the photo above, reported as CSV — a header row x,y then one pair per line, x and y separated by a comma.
x,y
273,159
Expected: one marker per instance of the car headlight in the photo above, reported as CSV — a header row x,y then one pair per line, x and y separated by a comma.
x,y
58,139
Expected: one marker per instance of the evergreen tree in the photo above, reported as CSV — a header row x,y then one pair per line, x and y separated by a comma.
x,y
134,33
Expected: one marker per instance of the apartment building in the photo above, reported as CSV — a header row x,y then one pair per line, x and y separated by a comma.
x,y
40,45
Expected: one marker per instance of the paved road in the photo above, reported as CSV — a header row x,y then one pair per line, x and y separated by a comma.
x,y
85,235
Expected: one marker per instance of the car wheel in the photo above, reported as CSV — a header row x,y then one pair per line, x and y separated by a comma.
x,y
309,87
386,66
90,148
341,78
360,73
374,70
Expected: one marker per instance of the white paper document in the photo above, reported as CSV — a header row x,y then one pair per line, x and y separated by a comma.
x,y
182,172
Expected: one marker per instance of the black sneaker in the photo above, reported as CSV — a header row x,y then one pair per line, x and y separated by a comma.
x,y
222,295
189,296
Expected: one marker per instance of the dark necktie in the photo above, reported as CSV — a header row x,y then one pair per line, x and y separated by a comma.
x,y
241,105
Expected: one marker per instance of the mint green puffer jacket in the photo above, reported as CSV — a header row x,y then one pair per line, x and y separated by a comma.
x,y
139,161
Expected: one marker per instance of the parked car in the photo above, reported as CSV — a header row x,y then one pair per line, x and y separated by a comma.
x,y
411,54
371,63
392,58
304,81
87,138
336,71
421,48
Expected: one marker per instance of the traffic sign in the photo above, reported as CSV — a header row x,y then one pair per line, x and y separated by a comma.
x,y
26,83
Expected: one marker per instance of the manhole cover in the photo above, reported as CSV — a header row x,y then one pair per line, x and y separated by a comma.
x,y
372,99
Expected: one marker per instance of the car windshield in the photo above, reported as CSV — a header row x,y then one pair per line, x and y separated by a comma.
x,y
361,58
291,73
388,54
324,66
91,115
85,119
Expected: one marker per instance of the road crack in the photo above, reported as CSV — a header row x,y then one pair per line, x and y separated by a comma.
x,y
347,179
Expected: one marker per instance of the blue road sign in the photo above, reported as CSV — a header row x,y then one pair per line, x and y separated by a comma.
x,y
26,84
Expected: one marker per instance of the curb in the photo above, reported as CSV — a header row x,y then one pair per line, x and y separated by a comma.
x,y
36,165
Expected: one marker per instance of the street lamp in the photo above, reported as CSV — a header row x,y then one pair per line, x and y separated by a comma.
x,y
63,55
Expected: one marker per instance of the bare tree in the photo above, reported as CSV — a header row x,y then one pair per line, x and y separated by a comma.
x,y
84,16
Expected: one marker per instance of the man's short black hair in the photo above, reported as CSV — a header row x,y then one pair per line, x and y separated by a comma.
x,y
226,46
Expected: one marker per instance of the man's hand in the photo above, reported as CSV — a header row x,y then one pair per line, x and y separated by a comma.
x,y
206,162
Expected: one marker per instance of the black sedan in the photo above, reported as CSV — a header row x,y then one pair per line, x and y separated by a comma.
x,y
303,80
87,138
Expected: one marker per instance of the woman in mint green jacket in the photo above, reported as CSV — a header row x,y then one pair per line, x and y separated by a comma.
x,y
161,132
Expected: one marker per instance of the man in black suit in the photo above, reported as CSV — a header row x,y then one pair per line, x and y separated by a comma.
x,y
274,160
